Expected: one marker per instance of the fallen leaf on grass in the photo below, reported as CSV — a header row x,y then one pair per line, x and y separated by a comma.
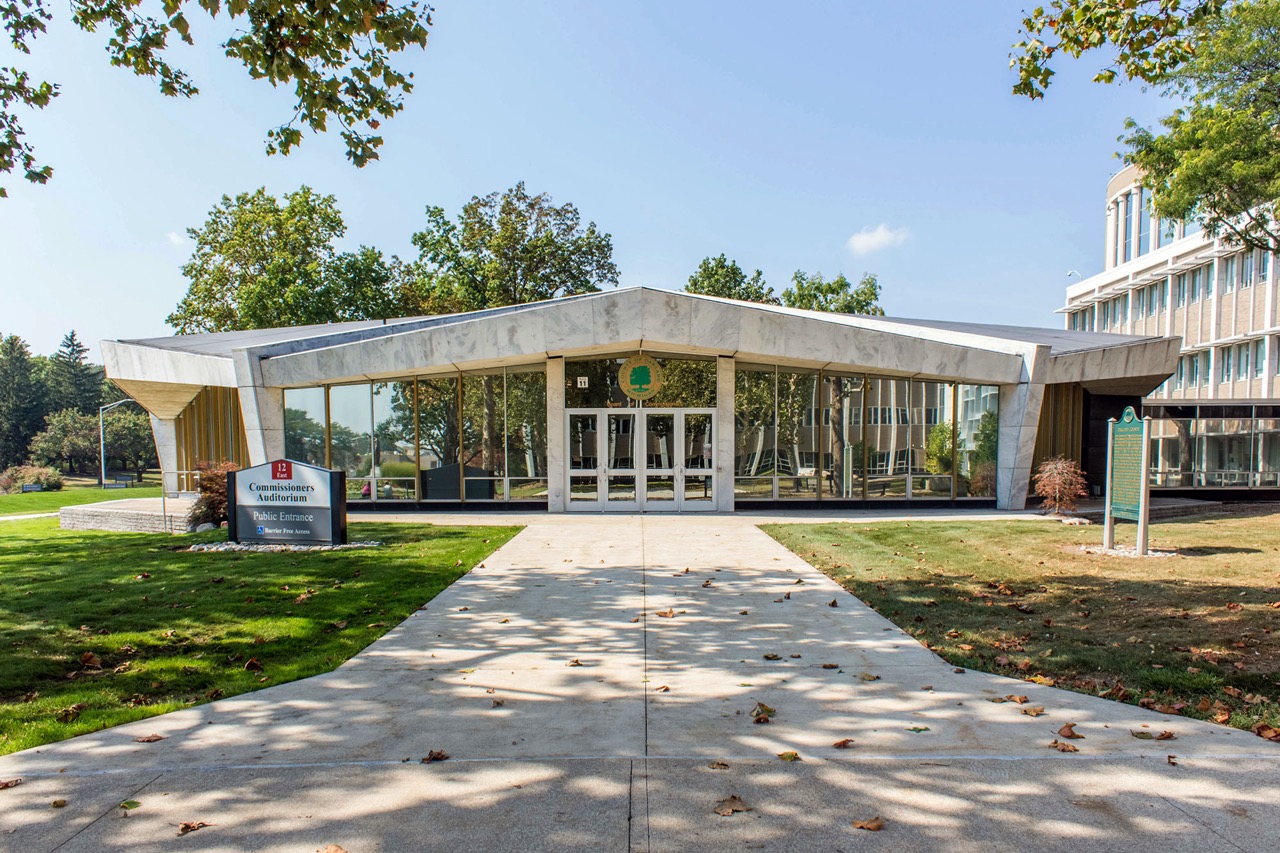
x,y
1034,710
142,576
1068,731
789,756
1063,747
69,714
130,805
873,825
148,738
90,659
843,744
375,625
435,755
57,804
1265,731
253,665
1040,679
191,826
729,805
1235,606
10,783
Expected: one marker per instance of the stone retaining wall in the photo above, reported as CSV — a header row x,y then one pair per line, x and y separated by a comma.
x,y
92,517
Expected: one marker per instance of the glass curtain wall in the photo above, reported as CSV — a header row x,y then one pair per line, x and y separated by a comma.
x,y
481,435
804,436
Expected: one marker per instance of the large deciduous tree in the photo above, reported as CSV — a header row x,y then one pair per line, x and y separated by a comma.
x,y
1146,39
509,248
261,262
69,439
722,277
335,54
815,293
22,401
1218,158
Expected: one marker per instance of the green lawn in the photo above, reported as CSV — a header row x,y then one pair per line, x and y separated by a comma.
x,y
1197,633
102,628
20,504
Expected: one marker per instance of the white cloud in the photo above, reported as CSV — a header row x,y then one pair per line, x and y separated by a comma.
x,y
870,240
177,240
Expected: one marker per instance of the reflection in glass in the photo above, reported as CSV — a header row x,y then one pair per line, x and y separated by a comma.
x,y
659,433
843,417
660,489
621,450
622,488
799,449
754,433
887,433
526,396
979,437
304,425
395,469
351,437
697,487
697,441
582,443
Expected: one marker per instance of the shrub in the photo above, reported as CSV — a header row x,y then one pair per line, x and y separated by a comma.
x,y
982,482
211,506
13,479
1060,481
398,470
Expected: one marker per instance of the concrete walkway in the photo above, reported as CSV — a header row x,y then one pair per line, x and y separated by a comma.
x,y
592,694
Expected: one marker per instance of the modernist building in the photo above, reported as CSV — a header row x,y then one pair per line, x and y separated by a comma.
x,y
641,399
1217,418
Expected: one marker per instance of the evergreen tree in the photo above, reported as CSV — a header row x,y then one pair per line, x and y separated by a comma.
x,y
73,382
22,401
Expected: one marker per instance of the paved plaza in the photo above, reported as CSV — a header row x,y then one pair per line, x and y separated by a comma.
x,y
593,684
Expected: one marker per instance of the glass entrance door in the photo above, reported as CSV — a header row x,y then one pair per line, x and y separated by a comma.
x,y
655,460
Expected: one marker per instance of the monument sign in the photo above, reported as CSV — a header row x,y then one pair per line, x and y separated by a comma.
x,y
287,502
1128,483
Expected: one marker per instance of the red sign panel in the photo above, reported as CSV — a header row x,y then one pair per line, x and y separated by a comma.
x,y
282,470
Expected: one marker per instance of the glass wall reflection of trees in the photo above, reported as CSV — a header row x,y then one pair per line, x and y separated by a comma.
x,y
405,440
858,436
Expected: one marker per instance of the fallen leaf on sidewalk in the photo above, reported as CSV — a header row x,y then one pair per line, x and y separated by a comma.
x,y
663,689
503,621
667,614
148,738
719,765
706,583
497,703
1034,710
743,612
762,713
10,783
831,666
1063,747
843,744
787,596
334,848
833,603
435,755
789,756
873,825
1166,735
636,619
57,804
1143,735
129,805
729,805
1170,759
772,656
918,729
1263,730
1068,731
575,662
191,826
866,676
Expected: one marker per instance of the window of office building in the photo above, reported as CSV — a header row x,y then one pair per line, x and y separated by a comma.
x,y
1224,358
1204,368
1180,290
1128,225
1190,227
1193,370
1259,357
1168,231
1246,270
1179,374
1144,221
1229,274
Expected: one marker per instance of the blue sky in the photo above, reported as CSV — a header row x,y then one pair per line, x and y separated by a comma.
x,y
773,134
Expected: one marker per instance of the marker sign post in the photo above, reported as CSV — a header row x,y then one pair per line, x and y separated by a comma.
x,y
1128,485
287,503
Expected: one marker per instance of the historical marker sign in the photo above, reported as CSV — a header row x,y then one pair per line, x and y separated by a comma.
x,y
1128,493
287,502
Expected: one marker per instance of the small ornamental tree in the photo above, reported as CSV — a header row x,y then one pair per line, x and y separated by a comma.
x,y
1060,481
211,506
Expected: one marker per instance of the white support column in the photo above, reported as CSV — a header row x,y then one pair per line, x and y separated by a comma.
x,y
1019,420
556,451
263,411
166,436
725,428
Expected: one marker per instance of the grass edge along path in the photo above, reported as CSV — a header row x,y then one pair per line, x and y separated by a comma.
x,y
99,629
36,502
1197,633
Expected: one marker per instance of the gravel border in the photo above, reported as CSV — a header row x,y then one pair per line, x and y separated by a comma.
x,y
236,546
1124,551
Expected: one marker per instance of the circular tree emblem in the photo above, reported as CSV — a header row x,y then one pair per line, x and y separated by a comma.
x,y
640,377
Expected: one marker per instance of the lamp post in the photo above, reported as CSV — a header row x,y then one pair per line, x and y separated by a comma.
x,y
102,439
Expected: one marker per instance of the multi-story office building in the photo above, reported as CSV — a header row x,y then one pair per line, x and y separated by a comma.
x,y
1217,418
